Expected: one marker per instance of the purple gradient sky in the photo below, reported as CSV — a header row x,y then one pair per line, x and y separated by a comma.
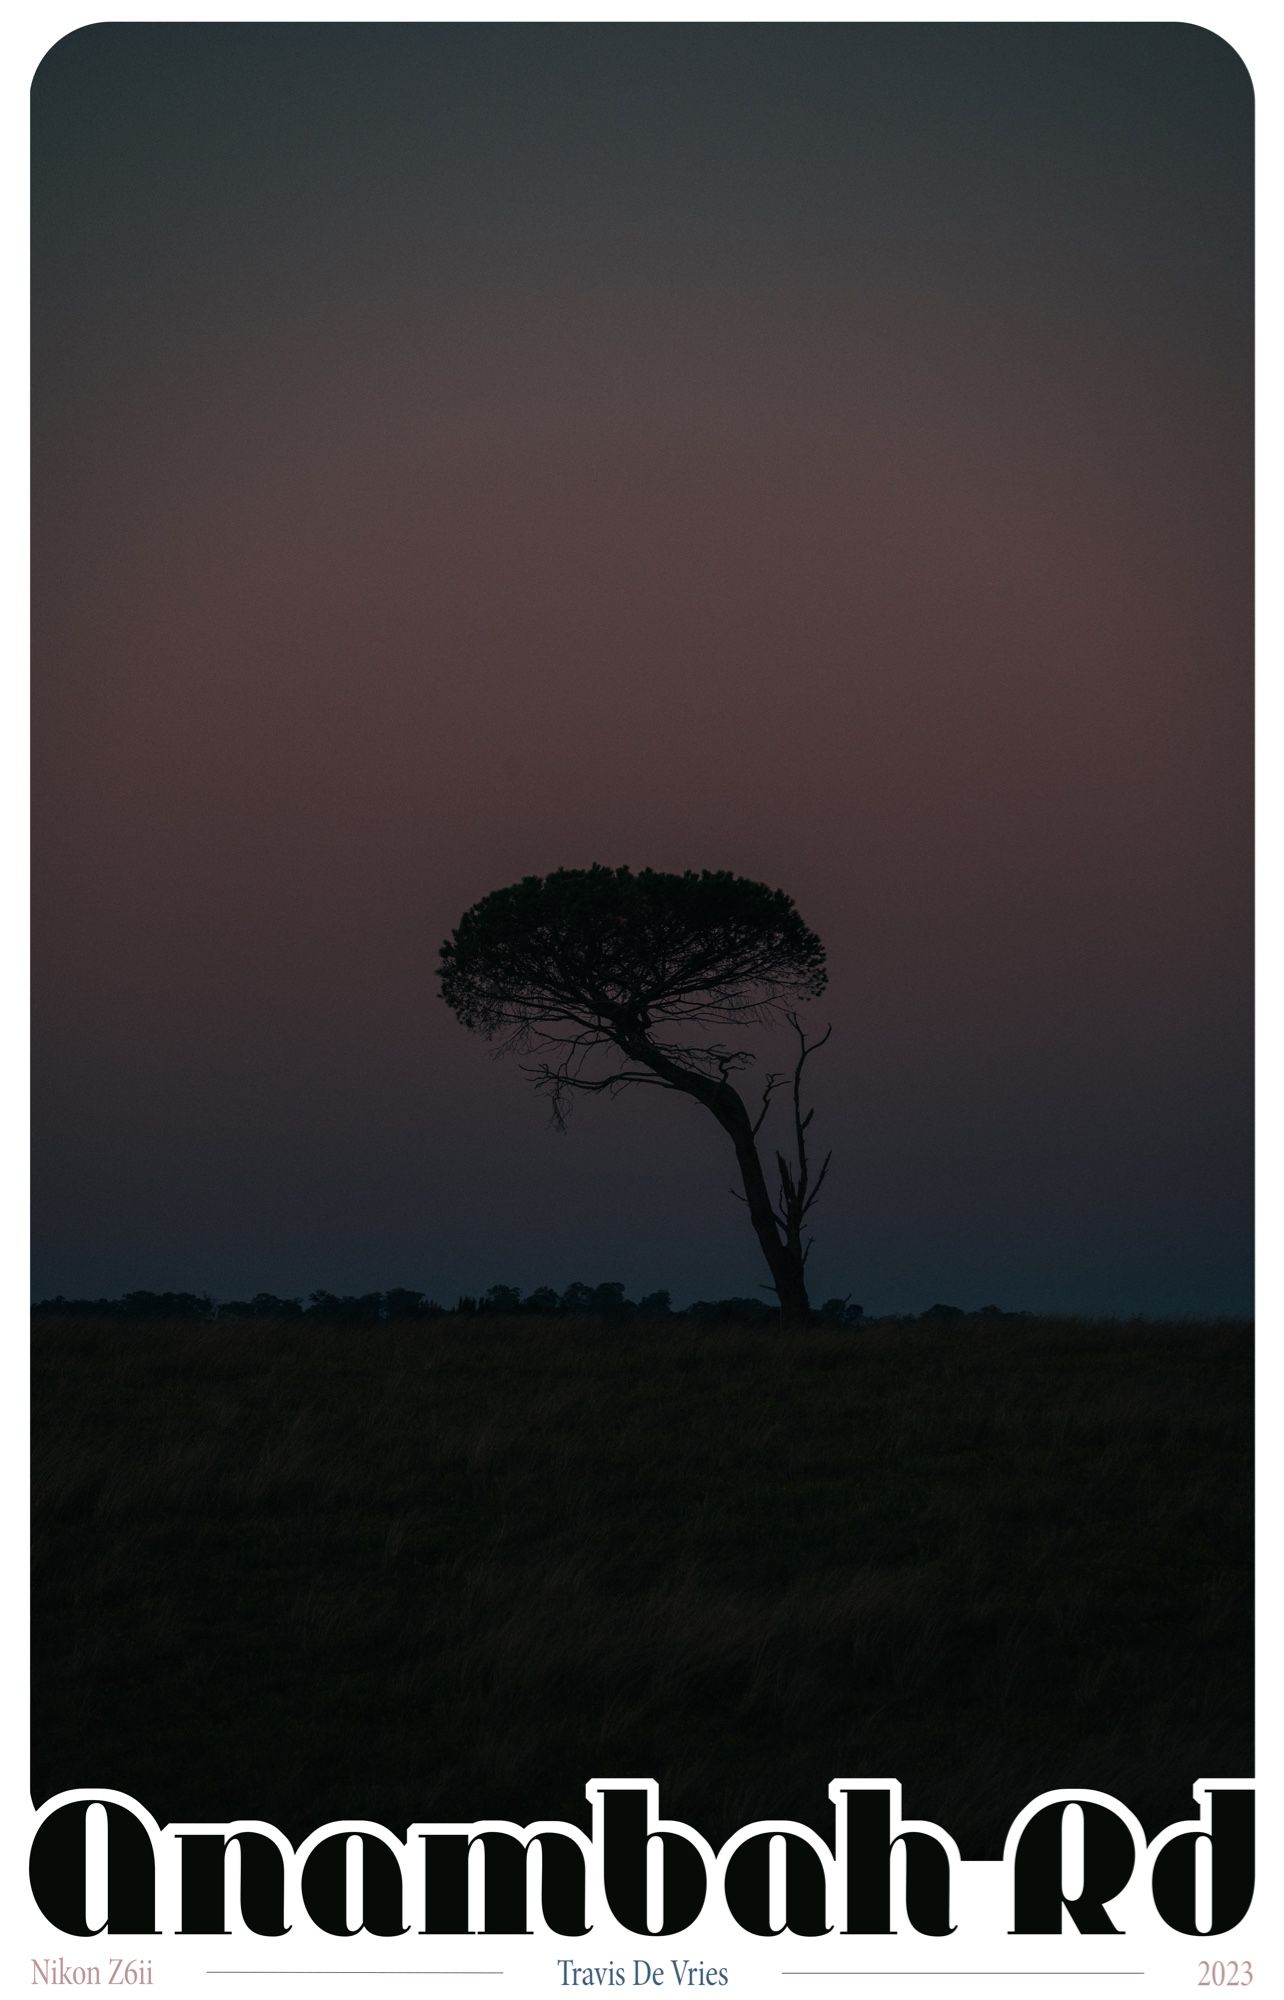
x,y
823,453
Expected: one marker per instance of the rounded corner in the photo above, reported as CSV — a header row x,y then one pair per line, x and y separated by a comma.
x,y
72,35
1225,48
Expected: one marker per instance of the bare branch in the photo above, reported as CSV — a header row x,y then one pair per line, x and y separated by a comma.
x,y
557,1080
796,1193
820,1182
773,1082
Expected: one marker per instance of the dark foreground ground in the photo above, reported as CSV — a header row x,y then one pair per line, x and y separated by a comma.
x,y
453,1570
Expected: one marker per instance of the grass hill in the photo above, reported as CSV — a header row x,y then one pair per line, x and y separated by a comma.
x,y
453,1568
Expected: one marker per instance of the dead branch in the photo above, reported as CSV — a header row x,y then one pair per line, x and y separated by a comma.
x,y
773,1082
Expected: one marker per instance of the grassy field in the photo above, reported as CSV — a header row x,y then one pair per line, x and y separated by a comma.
x,y
453,1570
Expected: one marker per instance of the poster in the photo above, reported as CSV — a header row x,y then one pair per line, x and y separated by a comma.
x,y
819,458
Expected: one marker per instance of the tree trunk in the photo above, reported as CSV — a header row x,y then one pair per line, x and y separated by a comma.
x,y
783,1254
795,1306
784,1259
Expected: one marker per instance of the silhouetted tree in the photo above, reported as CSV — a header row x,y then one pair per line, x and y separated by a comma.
x,y
599,963
63,1308
730,1312
264,1305
403,1303
331,1309
839,1312
166,1305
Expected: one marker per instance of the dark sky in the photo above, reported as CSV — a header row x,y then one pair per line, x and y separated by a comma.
x,y
819,452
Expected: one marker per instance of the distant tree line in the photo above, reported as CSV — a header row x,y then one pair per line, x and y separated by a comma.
x,y
604,1302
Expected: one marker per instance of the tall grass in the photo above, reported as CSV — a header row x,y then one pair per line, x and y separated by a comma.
x,y
454,1569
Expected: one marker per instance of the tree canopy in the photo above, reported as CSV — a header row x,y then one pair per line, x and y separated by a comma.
x,y
605,949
